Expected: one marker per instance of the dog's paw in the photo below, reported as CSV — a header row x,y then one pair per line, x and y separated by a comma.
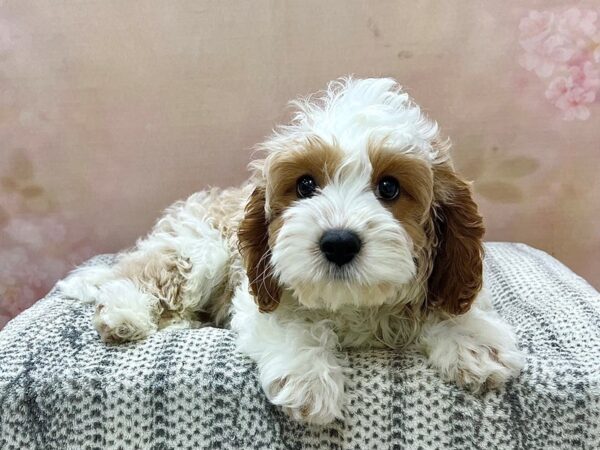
x,y
479,367
477,352
309,398
124,313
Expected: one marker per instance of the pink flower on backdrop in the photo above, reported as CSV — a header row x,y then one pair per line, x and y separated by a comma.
x,y
572,94
535,28
587,76
546,55
575,23
564,44
571,100
543,50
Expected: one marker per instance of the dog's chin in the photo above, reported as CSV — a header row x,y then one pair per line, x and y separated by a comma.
x,y
334,294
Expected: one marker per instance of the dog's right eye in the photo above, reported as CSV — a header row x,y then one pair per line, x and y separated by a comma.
x,y
387,189
306,186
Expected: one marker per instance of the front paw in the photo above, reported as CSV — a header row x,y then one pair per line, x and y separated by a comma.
x,y
485,368
477,366
477,350
311,398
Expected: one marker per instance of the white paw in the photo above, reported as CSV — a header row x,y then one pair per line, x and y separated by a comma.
x,y
478,367
477,352
312,399
124,313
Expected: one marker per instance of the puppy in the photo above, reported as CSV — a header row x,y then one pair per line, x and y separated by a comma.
x,y
353,231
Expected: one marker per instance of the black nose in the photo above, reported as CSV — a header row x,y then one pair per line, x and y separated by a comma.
x,y
340,246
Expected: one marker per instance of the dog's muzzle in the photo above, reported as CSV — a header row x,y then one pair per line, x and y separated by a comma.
x,y
340,246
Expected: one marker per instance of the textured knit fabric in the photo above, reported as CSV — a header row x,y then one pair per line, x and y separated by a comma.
x,y
61,388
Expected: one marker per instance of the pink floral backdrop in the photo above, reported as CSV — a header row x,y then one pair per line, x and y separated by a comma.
x,y
111,110
562,47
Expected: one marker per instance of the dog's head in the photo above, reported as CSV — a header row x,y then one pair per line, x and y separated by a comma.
x,y
357,203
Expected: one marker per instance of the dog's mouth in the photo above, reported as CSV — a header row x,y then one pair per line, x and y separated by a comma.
x,y
341,267
344,274
341,290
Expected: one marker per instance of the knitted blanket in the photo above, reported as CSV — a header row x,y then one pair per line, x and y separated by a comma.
x,y
61,388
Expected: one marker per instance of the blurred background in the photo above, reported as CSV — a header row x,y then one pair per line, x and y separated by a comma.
x,y
111,110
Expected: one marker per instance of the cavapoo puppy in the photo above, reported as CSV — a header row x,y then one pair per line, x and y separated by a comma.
x,y
353,231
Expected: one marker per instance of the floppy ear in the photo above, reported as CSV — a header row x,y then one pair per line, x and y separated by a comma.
x,y
253,237
457,273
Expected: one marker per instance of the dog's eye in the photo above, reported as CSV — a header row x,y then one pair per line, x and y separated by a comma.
x,y
306,186
388,188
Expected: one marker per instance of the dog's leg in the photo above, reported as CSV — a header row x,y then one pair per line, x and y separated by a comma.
x,y
477,349
124,311
298,363
169,276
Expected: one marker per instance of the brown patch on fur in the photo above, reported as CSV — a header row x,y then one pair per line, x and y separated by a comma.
x,y
308,406
162,274
314,157
277,385
274,228
253,235
413,205
457,273
256,234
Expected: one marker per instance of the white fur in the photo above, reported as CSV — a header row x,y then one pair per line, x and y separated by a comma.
x,y
475,349
190,264
83,283
298,364
124,312
382,267
352,112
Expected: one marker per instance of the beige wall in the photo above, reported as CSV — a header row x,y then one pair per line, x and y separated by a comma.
x,y
110,110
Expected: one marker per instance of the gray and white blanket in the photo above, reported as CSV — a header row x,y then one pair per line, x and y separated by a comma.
x,y
61,388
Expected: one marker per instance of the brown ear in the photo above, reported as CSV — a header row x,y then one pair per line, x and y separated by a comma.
x,y
253,237
457,273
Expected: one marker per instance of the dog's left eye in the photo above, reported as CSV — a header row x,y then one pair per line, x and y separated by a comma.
x,y
388,188
306,186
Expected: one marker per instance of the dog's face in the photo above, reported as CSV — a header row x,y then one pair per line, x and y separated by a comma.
x,y
357,204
